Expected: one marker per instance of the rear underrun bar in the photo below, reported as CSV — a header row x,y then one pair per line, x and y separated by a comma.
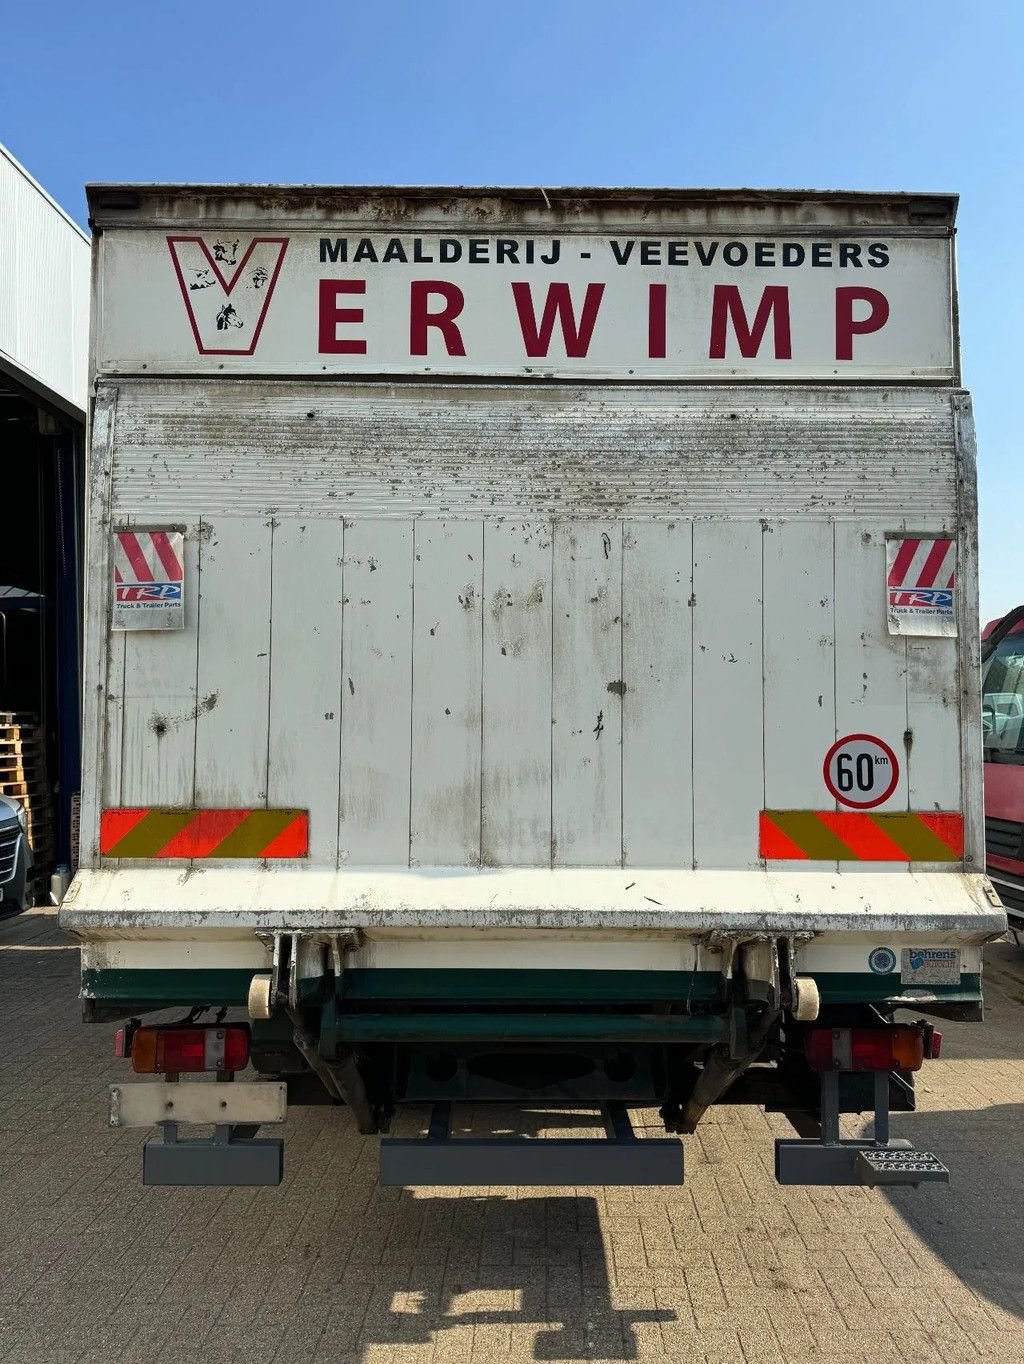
x,y
618,1158
436,1027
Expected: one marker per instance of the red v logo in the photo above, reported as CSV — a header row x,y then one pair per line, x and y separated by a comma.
x,y
227,292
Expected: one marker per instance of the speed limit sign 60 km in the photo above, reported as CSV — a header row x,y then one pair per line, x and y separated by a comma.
x,y
861,771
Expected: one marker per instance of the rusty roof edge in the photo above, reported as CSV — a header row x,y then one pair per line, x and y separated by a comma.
x,y
944,204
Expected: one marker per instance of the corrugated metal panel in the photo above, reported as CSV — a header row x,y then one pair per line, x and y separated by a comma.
x,y
259,448
44,290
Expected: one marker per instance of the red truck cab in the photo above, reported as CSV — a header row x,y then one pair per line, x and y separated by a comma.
x,y
1002,708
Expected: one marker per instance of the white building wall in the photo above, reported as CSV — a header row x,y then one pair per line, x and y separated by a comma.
x,y
44,291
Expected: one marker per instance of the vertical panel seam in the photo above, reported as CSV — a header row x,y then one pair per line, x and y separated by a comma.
x,y
270,662
622,693
341,694
412,682
764,694
835,654
483,616
123,699
551,727
693,686
122,704
96,723
199,622
195,686
907,752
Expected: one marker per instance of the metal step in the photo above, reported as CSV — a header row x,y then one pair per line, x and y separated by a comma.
x,y
855,1162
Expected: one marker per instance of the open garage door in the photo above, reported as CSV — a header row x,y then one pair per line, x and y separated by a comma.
x,y
40,627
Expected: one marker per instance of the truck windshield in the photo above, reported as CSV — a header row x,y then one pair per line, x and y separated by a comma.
x,y
1002,702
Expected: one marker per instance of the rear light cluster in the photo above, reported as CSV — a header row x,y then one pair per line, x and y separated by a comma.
x,y
902,1047
170,1051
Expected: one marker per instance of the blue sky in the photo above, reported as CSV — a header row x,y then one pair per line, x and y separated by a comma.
x,y
921,96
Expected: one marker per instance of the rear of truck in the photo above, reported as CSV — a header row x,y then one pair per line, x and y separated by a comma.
x,y
532,657
1002,723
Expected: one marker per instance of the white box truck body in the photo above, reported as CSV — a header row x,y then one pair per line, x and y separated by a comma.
x,y
532,641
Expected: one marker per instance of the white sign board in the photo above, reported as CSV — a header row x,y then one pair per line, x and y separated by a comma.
x,y
582,306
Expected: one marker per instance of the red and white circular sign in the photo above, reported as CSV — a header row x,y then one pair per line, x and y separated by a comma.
x,y
861,770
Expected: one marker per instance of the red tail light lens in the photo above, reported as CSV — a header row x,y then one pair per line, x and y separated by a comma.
x,y
896,1048
158,1051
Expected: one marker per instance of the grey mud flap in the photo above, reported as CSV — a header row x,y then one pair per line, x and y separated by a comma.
x,y
233,1156
833,1160
616,1159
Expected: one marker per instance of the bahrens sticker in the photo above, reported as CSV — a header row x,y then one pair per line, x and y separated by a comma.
x,y
930,966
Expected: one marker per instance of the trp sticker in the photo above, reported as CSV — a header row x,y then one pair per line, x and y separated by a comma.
x,y
149,580
921,584
861,771
930,966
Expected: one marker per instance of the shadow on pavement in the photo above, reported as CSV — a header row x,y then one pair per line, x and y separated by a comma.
x,y
560,1278
975,1224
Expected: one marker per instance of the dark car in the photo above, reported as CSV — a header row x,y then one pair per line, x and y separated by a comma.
x,y
15,857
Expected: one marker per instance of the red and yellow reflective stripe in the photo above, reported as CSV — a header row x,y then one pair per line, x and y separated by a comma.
x,y
204,833
859,836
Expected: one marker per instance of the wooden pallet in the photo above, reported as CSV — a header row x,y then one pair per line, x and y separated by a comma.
x,y
30,749
23,777
15,767
25,791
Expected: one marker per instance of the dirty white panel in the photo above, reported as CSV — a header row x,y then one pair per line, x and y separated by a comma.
x,y
305,677
657,704
516,751
871,664
233,692
586,737
933,709
799,662
377,692
728,773
446,693
159,744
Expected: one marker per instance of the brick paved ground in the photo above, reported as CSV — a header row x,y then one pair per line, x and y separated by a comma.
x,y
93,1267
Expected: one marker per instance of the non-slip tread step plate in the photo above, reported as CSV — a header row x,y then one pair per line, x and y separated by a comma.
x,y
901,1167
